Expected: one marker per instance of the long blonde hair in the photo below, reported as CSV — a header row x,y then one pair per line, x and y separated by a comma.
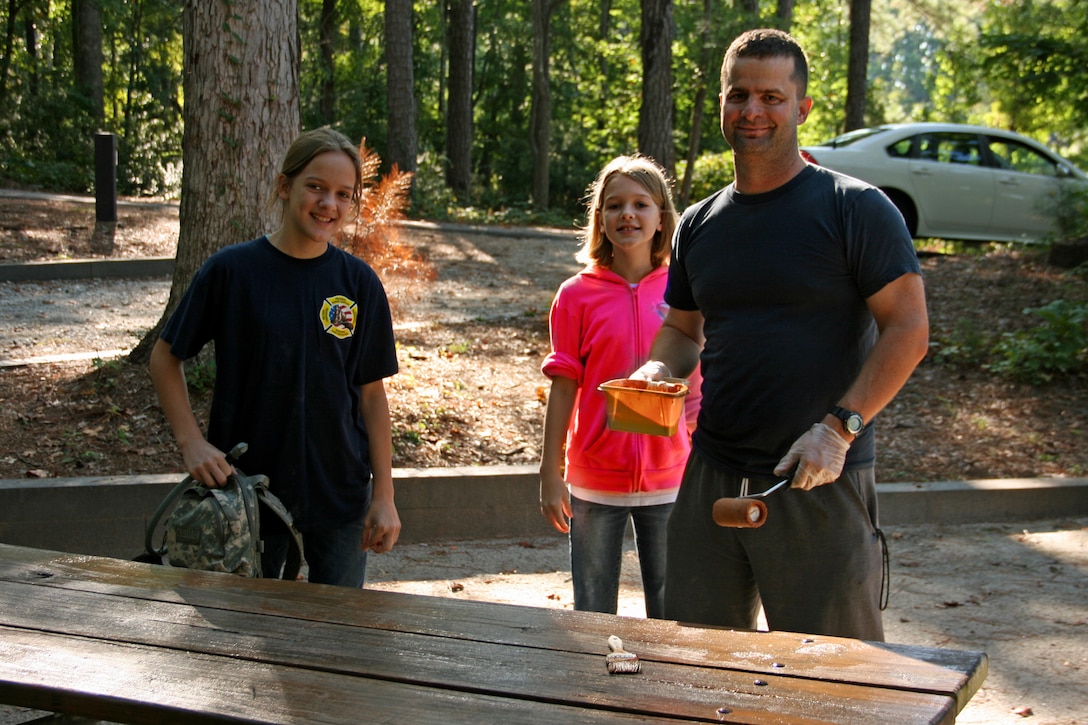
x,y
596,247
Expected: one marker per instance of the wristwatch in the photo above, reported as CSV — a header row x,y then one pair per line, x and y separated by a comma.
x,y
852,422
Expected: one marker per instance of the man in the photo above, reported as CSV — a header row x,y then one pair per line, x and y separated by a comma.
x,y
799,292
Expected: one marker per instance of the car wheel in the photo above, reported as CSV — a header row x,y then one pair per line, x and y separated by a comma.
x,y
906,208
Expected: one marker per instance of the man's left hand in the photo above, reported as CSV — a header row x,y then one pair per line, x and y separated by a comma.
x,y
819,456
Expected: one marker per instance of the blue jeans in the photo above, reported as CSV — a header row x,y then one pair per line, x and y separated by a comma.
x,y
333,556
596,554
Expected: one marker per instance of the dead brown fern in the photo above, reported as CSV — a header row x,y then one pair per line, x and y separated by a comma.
x,y
374,236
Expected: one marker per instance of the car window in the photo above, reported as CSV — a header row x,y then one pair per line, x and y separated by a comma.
x,y
949,148
1015,156
901,148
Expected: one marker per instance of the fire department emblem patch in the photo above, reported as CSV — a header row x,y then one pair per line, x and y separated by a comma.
x,y
338,316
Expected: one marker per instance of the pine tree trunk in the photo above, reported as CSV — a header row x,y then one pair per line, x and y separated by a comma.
x,y
87,55
400,86
784,14
241,113
540,122
655,114
702,84
327,30
462,42
857,67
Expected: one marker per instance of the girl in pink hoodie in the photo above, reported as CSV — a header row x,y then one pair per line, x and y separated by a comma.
x,y
603,322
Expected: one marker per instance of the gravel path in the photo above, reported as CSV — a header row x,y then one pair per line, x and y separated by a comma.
x,y
94,317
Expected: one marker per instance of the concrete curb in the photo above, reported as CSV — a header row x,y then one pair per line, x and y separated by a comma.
x,y
106,516
87,269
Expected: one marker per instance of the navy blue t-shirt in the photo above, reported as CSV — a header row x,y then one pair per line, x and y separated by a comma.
x,y
781,279
294,341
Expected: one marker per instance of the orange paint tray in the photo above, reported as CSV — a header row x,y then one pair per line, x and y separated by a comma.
x,y
638,406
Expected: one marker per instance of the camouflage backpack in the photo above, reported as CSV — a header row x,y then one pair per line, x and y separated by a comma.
x,y
218,529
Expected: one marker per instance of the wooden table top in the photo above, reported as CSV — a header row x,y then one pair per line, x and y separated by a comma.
x,y
138,643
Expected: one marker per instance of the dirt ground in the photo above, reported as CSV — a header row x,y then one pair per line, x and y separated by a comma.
x,y
470,392
470,347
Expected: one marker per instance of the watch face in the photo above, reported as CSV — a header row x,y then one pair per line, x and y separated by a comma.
x,y
853,424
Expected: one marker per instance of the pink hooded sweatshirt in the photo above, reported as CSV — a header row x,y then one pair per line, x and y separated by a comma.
x,y
602,328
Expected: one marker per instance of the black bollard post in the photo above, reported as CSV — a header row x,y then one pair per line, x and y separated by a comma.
x,y
105,177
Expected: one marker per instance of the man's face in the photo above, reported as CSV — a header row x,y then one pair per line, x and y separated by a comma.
x,y
761,108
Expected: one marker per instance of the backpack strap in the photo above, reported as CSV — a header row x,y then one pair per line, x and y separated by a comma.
x,y
294,546
167,504
247,485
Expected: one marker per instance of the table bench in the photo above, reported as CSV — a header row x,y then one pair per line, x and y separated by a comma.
x,y
138,643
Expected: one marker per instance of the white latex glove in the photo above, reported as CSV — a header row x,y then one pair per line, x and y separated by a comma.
x,y
653,370
819,456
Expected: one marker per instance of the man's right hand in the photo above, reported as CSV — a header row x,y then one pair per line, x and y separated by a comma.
x,y
652,370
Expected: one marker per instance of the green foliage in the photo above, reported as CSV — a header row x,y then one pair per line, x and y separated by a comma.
x,y
1070,213
1015,64
47,129
358,70
824,32
1034,58
967,346
200,374
713,171
1056,347
431,198
49,144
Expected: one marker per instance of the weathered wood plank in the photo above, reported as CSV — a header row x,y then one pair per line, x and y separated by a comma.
x,y
448,662
957,674
464,665
154,686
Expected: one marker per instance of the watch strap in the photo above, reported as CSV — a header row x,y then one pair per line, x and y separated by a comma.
x,y
843,414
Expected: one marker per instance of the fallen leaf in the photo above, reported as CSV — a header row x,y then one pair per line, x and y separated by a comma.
x,y
1023,711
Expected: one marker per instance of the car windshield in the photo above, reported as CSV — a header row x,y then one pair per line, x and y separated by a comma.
x,y
852,136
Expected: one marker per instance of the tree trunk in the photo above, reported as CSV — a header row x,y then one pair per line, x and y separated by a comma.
x,y
462,42
87,55
540,122
135,64
327,30
702,84
655,114
241,113
784,14
401,145
9,46
604,29
857,67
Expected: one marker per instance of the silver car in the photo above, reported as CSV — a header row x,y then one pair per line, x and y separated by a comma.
x,y
956,181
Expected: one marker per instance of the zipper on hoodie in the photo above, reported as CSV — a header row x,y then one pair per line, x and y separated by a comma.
x,y
635,296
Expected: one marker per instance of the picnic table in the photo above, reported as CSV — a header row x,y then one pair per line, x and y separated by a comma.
x,y
129,642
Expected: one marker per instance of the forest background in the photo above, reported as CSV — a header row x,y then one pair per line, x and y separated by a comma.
x,y
499,105
504,109
501,111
